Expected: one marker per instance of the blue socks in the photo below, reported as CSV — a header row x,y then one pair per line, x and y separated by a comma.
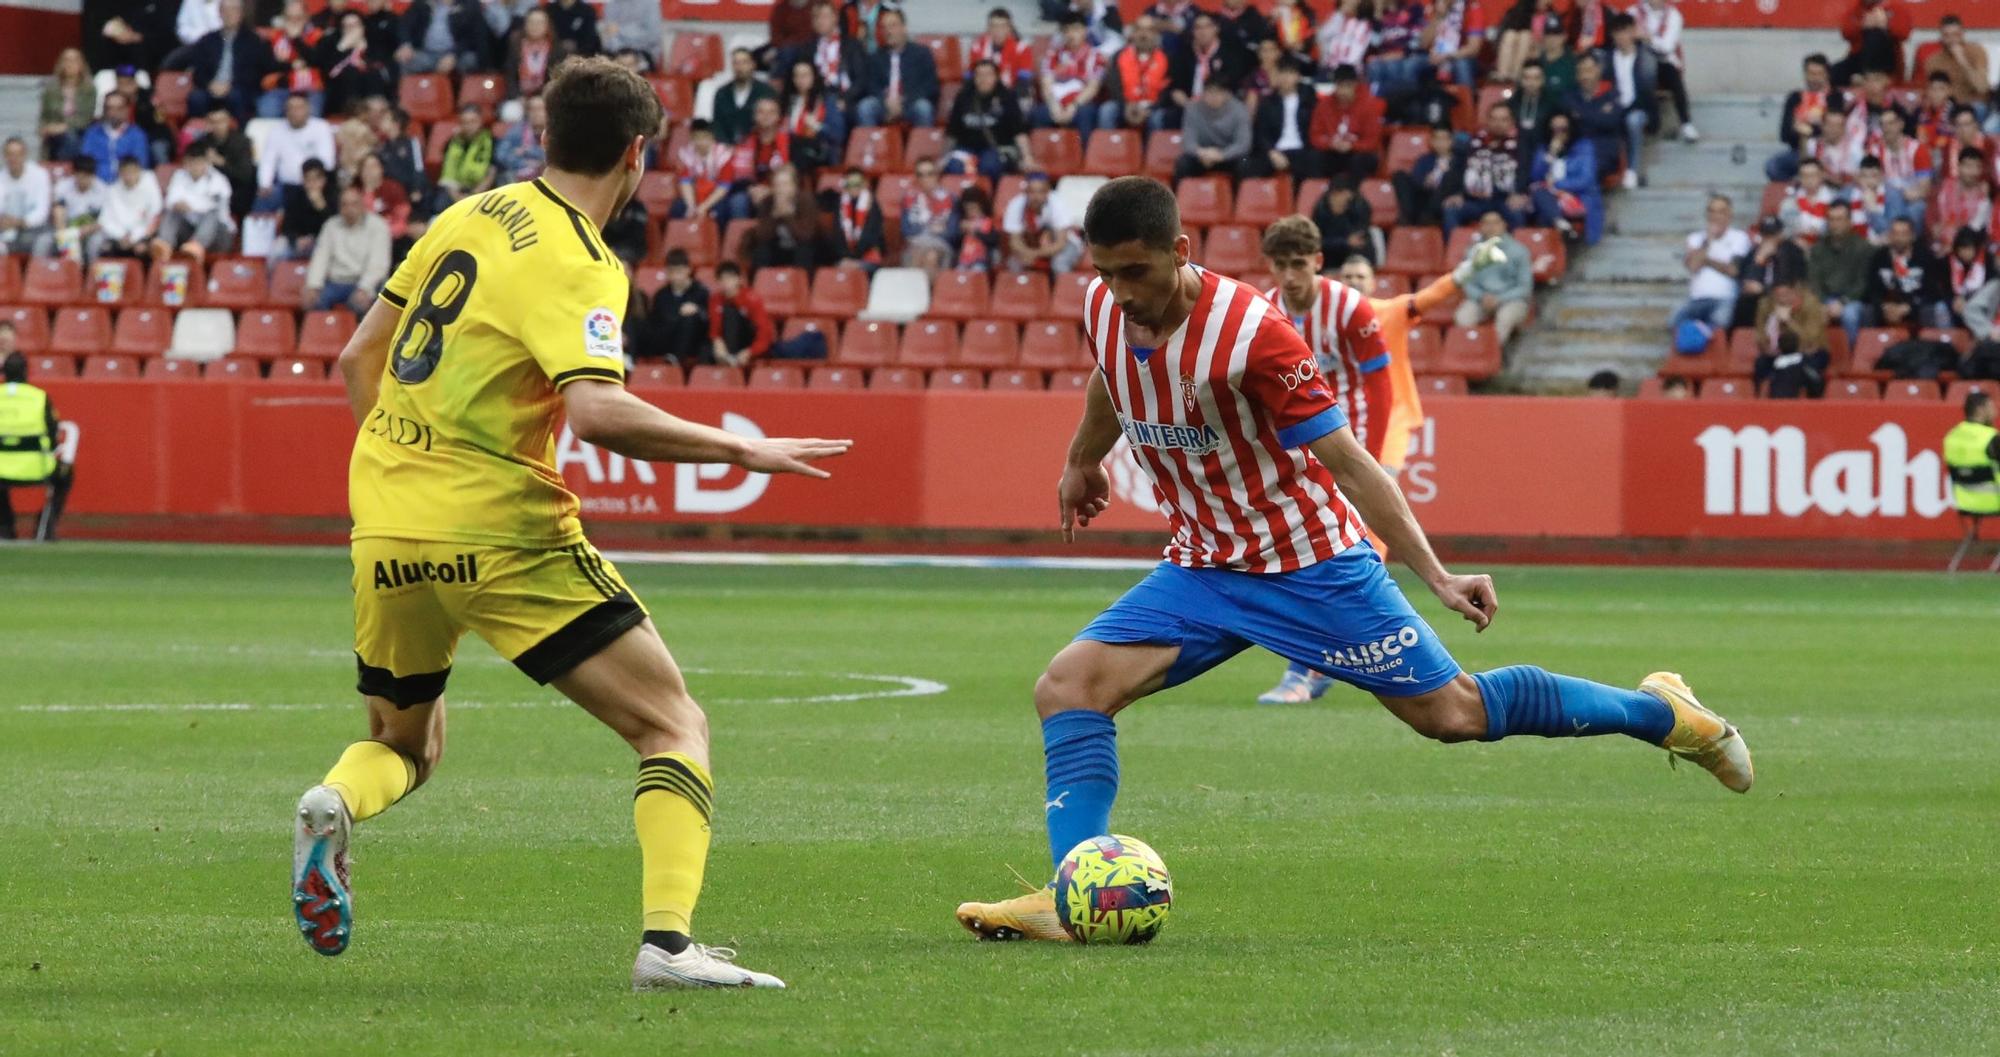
x,y
1082,751
1523,699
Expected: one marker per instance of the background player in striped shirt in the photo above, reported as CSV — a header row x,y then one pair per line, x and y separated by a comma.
x,y
1224,406
1350,336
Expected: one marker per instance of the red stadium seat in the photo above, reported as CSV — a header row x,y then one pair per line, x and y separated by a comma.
x,y
237,283
168,369
1260,201
733,238
175,284
1414,251
1010,185
1053,345
483,90
715,376
323,334
1205,200
81,331
840,291
655,376
1309,193
171,89
989,344
266,334
1390,286
777,376
695,55
297,370
1444,313
110,368
924,142
1911,390
31,327
875,150
950,57
1233,249
1030,381
867,344
1406,145
927,343
648,278
696,236
1869,345
1021,296
835,378
958,379
821,325
427,97
1853,389
676,96
1745,344
288,285
51,282
1956,392
1471,351
10,278
903,378
1067,302
1057,151
1065,381
143,331
1163,149
1381,199
658,191
1727,389
435,142
47,366
1441,385
232,369
960,294
1426,352
1114,152
783,290
1957,337
1773,198
1548,255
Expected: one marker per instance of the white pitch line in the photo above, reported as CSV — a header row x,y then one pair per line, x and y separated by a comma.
x,y
878,561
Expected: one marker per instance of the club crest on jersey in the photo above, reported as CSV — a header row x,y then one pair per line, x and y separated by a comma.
x,y
600,334
1190,391
1196,440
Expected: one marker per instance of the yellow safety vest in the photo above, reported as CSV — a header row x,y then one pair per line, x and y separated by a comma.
x,y
1968,454
27,451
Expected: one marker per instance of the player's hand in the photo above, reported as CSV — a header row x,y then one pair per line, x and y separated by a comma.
x,y
1085,493
792,455
1472,597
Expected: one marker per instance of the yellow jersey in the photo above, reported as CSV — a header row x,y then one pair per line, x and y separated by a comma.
x,y
509,296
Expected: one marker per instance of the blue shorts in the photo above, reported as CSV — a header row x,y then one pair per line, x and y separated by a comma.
x,y
1344,617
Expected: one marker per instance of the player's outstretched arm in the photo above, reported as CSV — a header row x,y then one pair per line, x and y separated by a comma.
x,y
1374,493
604,414
1085,491
361,360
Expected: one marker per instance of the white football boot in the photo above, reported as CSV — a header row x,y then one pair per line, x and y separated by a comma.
x,y
697,966
1295,688
321,902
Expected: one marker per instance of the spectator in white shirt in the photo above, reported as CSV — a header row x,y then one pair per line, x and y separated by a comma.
x,y
286,149
1711,261
350,258
197,220
132,209
24,198
198,18
79,198
1660,24
1040,234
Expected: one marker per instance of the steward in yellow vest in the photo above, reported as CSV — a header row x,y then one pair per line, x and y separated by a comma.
x,y
27,444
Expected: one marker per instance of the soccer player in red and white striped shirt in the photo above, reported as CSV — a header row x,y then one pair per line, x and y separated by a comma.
x,y
1265,488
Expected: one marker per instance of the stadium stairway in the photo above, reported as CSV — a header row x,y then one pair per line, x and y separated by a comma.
x,y
20,109
1611,312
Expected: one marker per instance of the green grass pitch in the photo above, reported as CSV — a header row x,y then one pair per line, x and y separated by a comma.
x,y
1344,887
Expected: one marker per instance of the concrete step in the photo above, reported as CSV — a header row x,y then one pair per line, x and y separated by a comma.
x,y
20,110
1739,118
1633,259
1610,313
1658,211
1699,166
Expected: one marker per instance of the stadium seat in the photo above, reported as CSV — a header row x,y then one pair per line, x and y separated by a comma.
x,y
901,378
1260,201
1425,348
835,378
733,238
1073,194
1163,149
51,282
1444,313
426,96
288,285
875,150
10,278
1869,345
1853,389
1956,392
81,331
648,278
1067,299
1773,197
174,284
171,89
203,334
1067,381
655,376
1470,351
676,96
1232,249
840,291
1957,337
927,343
988,344
960,294
31,327
777,376
1911,390
232,369
715,376
783,290
950,57
1709,362
1004,192
1205,200
47,366
898,295
695,235
1441,385
697,56
1406,145
865,344
483,90
143,331
1390,286
958,379
1548,255
266,334
658,190
1057,151
1309,193
162,369
237,283
435,142
1052,345
1113,152
1380,195
110,368
297,370
1017,380
1257,279
924,143
323,334
1021,296
1745,345
1727,389
825,326
1414,251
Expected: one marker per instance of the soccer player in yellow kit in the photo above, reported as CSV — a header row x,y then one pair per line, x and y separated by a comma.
x,y
504,319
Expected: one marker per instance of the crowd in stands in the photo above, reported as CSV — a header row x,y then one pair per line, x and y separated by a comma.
x,y
1872,256
844,166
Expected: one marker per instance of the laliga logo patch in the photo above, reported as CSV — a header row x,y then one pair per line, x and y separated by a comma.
x,y
600,334
1299,374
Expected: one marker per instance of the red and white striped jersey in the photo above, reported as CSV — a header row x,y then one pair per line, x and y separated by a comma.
x,y
1343,333
1219,416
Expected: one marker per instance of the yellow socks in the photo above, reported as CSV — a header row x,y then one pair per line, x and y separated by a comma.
x,y
370,776
671,812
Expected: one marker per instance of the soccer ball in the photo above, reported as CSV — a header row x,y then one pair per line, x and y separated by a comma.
x,y
1113,889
